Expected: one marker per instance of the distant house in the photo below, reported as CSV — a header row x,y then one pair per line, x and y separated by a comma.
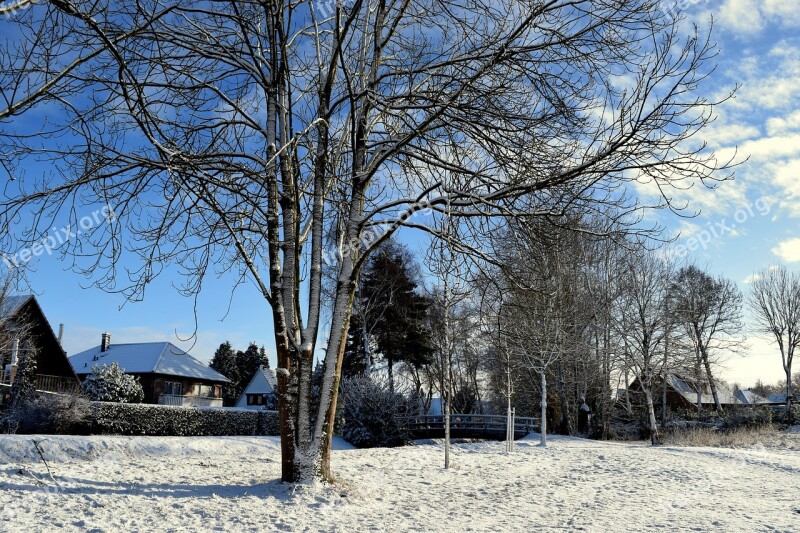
x,y
682,393
261,391
169,375
23,327
748,397
779,398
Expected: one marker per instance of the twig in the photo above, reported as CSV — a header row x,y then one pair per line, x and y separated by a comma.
x,y
50,473
41,455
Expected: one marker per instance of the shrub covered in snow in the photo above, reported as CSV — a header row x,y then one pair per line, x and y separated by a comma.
x,y
54,414
111,384
370,411
162,420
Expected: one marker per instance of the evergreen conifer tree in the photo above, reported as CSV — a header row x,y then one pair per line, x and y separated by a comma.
x,y
225,362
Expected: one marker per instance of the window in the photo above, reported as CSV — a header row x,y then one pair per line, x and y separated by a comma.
x,y
174,388
203,391
255,399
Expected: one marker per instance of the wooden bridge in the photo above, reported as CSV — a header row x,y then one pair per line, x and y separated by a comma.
x,y
468,426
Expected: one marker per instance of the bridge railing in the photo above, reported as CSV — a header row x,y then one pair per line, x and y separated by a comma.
x,y
470,422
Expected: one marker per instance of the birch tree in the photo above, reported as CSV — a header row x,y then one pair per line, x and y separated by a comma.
x,y
775,301
271,142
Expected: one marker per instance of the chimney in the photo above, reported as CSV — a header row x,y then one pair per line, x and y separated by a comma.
x,y
15,352
60,333
105,342
11,368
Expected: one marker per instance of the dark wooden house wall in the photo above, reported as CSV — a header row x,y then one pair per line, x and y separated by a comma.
x,y
50,359
153,386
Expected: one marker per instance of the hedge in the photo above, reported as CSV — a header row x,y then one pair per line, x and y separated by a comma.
x,y
108,418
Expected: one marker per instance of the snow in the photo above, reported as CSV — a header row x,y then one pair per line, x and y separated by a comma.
x,y
228,484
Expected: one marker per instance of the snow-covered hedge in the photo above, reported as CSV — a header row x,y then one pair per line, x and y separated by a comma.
x,y
161,420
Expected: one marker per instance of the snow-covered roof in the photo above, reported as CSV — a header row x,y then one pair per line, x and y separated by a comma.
x,y
689,389
10,304
264,381
778,397
748,397
146,358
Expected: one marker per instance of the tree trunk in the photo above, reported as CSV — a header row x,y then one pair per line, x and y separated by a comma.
x,y
713,384
390,368
628,406
330,383
367,352
789,396
565,426
698,377
543,405
648,394
446,415
664,399
707,364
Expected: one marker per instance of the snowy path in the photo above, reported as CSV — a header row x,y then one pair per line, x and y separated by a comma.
x,y
203,484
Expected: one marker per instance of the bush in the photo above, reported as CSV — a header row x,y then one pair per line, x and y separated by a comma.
x,y
161,420
370,412
111,384
748,417
54,414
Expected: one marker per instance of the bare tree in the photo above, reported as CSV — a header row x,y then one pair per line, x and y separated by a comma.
x,y
241,138
775,300
448,297
710,309
643,322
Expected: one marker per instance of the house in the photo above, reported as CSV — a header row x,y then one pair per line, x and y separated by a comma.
x,y
779,398
261,391
682,391
169,376
23,326
748,397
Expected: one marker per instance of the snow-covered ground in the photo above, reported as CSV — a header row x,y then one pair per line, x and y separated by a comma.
x,y
226,484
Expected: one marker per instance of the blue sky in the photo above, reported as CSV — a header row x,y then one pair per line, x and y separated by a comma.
x,y
745,225
752,222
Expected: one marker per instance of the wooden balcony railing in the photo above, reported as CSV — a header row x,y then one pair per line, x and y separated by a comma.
x,y
49,383
57,384
189,401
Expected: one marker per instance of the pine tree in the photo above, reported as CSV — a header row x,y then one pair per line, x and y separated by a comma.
x,y
248,362
395,312
353,363
262,352
225,362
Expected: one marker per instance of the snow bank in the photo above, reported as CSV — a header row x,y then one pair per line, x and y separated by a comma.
x,y
61,448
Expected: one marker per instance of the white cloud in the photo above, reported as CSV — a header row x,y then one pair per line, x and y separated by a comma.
x,y
749,17
751,278
784,12
787,177
782,125
788,250
742,16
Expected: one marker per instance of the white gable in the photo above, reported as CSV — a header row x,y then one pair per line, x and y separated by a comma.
x,y
263,382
